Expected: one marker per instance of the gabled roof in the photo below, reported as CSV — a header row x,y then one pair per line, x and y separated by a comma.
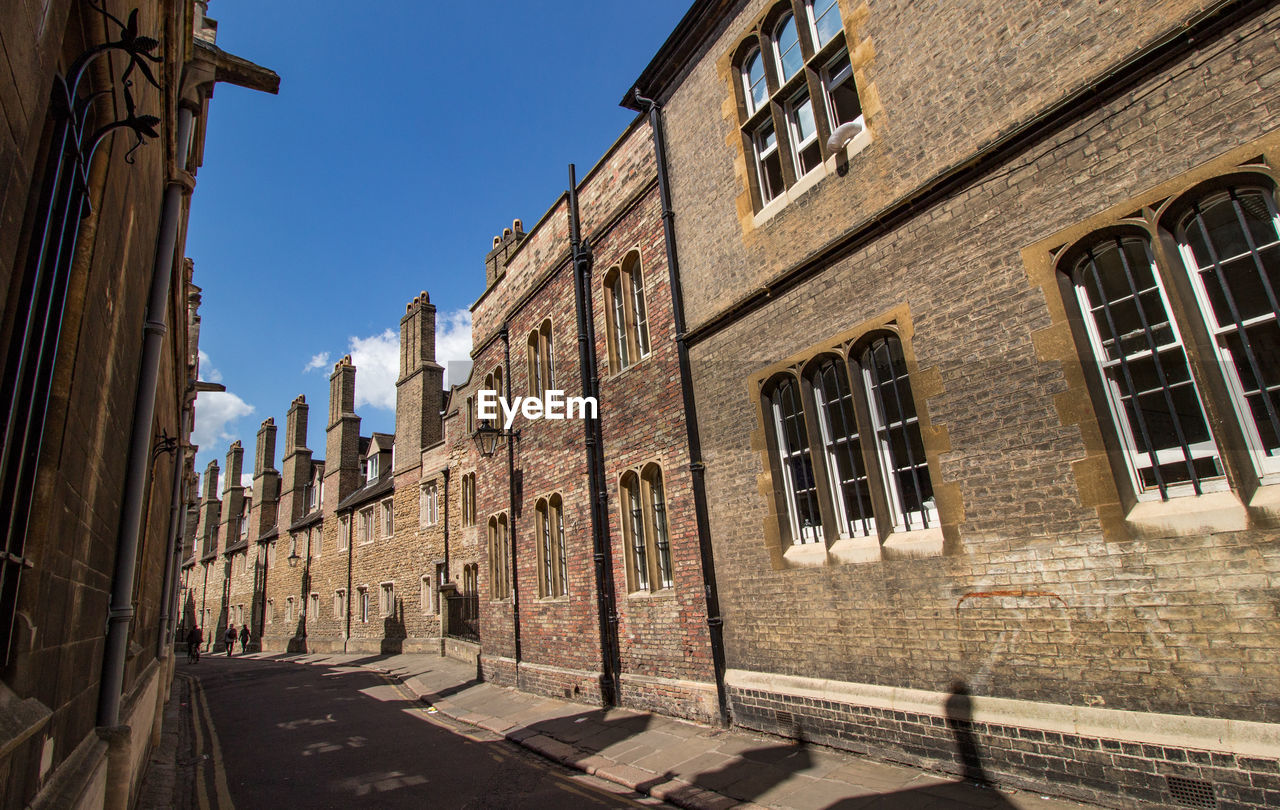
x,y
371,491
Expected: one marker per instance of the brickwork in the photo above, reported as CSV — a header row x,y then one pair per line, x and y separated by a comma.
x,y
1036,594
662,633
1084,767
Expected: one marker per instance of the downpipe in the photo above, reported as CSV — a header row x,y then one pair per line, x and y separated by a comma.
x,y
697,470
138,467
602,550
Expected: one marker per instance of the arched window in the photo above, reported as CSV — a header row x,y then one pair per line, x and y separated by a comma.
x,y
896,425
790,110
552,565
824,15
541,374
753,82
1230,245
1157,389
842,444
558,546
786,43
626,313
499,552
797,466
850,460
646,530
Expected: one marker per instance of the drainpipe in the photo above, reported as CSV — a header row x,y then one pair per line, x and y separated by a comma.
x,y
715,623
136,488
164,644
602,550
511,491
447,578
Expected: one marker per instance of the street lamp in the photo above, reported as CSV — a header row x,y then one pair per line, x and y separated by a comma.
x,y
294,558
487,436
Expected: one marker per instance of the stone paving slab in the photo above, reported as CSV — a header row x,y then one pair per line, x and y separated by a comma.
x,y
679,762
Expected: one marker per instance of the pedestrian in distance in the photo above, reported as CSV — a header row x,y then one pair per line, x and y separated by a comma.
x,y
244,639
195,638
230,638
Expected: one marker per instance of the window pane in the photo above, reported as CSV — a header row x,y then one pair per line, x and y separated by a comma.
x,y
842,93
897,430
1233,252
562,556
826,20
788,43
844,450
797,466
661,543
639,311
620,325
1139,352
639,552
753,76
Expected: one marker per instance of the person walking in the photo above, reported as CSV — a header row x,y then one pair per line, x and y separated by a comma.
x,y
244,639
230,638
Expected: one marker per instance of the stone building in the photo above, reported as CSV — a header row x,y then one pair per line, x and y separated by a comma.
x,y
982,322
98,358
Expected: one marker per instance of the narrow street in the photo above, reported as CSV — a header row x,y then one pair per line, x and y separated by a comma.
x,y
275,735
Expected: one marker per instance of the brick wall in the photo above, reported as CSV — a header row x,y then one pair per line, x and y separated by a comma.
x,y
1177,623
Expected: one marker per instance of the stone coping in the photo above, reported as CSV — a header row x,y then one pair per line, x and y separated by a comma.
x,y
1240,737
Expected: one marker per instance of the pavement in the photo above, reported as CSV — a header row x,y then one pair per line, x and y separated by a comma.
x,y
678,762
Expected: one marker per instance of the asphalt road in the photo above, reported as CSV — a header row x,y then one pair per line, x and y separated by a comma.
x,y
279,735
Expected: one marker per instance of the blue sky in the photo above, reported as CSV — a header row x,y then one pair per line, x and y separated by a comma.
x,y
405,136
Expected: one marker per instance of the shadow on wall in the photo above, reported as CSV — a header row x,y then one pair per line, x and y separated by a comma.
x,y
393,633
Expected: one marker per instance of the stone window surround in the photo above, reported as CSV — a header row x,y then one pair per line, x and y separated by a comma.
x,y
428,505
641,476
387,598
386,517
753,210
499,557
541,360
340,603
1100,477
366,525
834,549
624,273
550,506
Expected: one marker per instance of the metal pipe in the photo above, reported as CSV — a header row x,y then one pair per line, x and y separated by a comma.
x,y
447,578
593,444
138,466
164,644
697,470
511,492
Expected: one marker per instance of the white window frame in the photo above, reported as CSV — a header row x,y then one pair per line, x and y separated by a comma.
x,y
1267,466
794,105
763,153
362,603
752,106
428,505
344,532
779,55
366,525
1135,460
386,599
387,517
811,14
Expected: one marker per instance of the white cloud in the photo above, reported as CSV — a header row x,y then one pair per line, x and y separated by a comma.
x,y
453,345
318,361
377,362
246,478
207,372
216,415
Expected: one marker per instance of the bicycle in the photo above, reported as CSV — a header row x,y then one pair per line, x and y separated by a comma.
x,y
193,653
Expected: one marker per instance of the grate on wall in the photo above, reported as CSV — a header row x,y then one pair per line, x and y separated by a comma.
x,y
1191,792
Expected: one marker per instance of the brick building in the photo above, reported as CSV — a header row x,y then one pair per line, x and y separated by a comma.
x,y
971,506
102,120
633,631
